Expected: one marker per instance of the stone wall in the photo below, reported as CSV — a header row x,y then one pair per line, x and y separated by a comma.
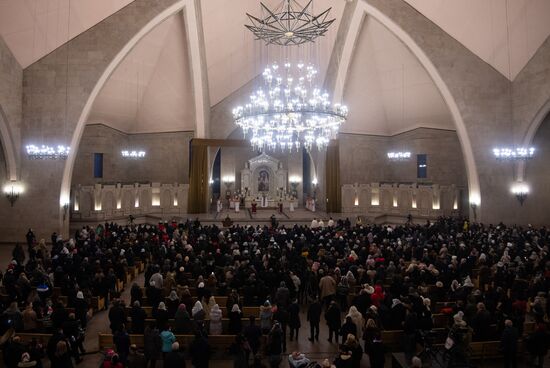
x,y
166,160
537,175
363,158
11,94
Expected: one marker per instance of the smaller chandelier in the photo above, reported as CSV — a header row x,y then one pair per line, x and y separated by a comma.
x,y
290,111
290,24
133,154
514,154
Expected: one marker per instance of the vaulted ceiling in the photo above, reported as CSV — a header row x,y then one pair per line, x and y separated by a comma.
x,y
387,90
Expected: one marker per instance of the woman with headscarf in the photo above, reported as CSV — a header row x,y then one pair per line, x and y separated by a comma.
x,y
357,319
198,315
208,306
235,320
342,292
187,299
172,303
265,317
378,296
182,323
169,283
216,320
161,315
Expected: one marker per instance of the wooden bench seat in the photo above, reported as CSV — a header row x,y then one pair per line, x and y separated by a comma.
x,y
247,311
219,342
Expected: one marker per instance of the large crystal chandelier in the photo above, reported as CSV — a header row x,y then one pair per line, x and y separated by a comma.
x,y
290,111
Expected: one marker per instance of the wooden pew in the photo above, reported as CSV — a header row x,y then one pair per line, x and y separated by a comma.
x,y
171,322
219,342
393,339
247,311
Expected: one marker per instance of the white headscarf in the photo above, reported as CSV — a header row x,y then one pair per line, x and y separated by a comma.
x,y
196,308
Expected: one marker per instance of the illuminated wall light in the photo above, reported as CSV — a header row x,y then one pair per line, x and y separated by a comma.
x,y
520,188
356,201
295,179
375,198
47,153
76,206
399,156
395,201
413,204
118,204
136,202
455,204
435,205
518,153
97,207
155,197
175,201
314,181
133,154
228,179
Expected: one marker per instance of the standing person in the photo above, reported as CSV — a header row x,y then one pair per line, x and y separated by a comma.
x,y
81,309
175,358
240,351
168,339
235,320
116,316
253,334
275,346
216,320
332,316
200,351
327,285
509,344
153,345
138,317
294,319
376,352
351,344
537,345
122,344
314,318
348,328
62,356
265,317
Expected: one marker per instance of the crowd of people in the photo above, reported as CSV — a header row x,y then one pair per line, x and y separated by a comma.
x,y
358,279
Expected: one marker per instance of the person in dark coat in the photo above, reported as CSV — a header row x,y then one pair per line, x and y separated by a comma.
x,y
121,339
182,321
161,315
116,316
59,315
136,359
253,334
153,345
348,328
314,318
71,329
376,353
136,294
138,317
175,358
294,319
81,309
282,296
274,347
200,351
509,344
332,316
537,344
235,320
481,323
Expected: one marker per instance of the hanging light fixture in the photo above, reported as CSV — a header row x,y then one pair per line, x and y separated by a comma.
x,y
289,110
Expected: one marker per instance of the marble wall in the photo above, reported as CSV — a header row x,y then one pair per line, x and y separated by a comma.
x,y
166,160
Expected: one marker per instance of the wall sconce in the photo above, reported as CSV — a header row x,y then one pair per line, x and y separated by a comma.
x,y
514,154
12,191
315,184
521,191
133,154
294,182
399,156
47,153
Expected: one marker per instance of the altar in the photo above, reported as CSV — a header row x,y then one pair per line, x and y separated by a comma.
x,y
264,181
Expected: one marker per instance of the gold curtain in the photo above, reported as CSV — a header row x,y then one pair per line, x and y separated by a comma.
x,y
198,179
334,193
